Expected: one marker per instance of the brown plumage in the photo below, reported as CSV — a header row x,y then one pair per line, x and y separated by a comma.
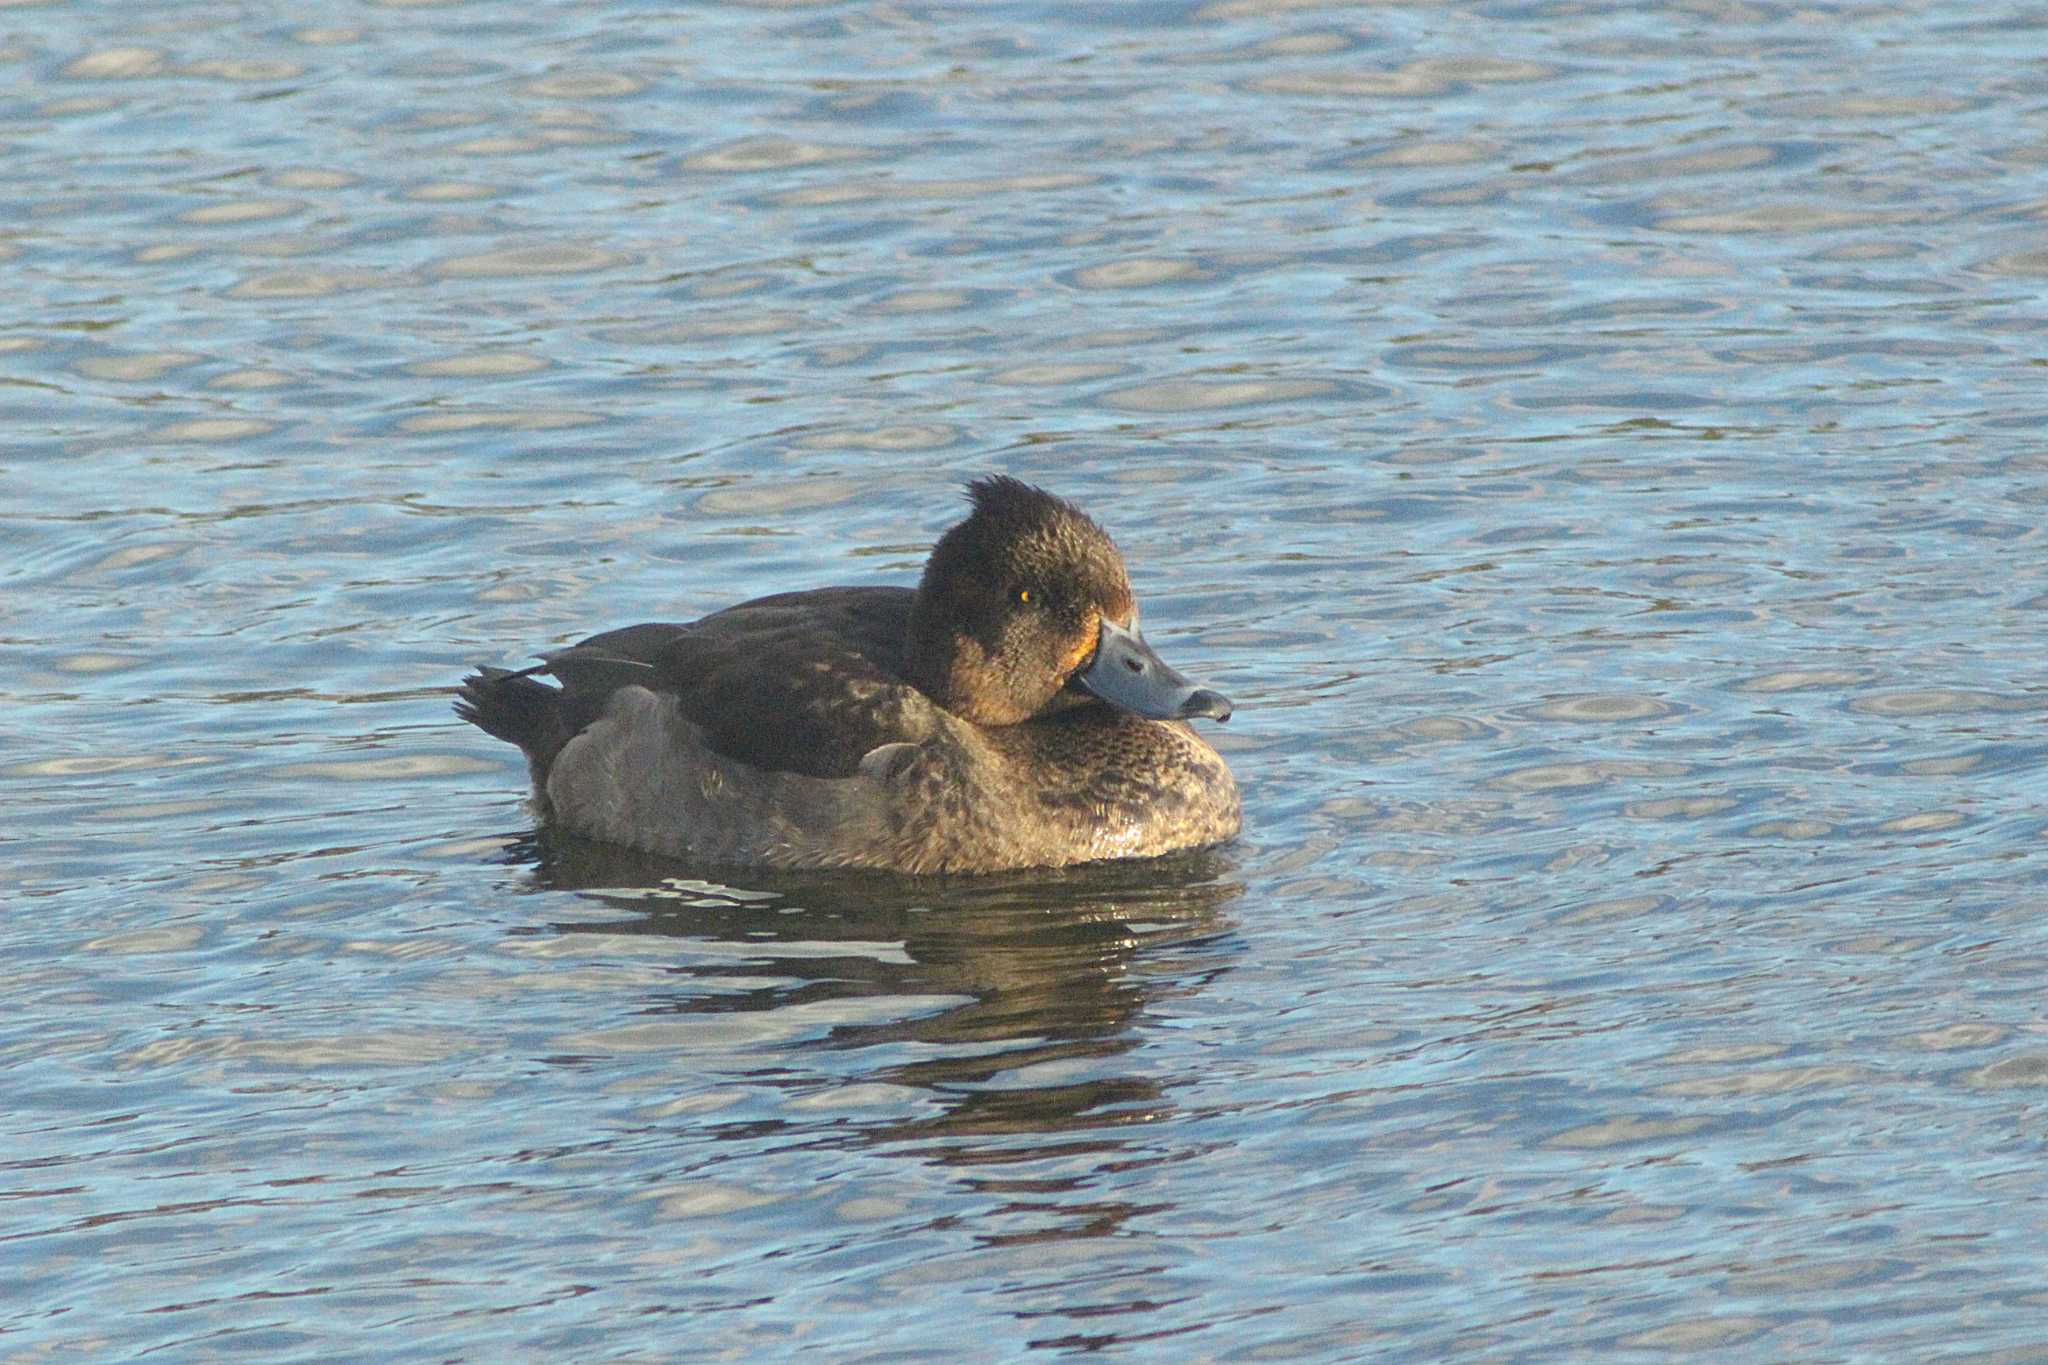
x,y
957,727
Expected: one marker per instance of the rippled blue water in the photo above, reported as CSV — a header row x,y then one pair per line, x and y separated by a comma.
x,y
1599,449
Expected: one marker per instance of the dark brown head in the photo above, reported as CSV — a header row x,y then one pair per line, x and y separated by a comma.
x,y
1025,608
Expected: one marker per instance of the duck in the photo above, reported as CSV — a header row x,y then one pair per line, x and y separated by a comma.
x,y
1004,714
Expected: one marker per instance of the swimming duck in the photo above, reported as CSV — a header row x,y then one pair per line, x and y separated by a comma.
x,y
1004,714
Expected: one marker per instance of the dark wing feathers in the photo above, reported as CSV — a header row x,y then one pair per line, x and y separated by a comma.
x,y
801,682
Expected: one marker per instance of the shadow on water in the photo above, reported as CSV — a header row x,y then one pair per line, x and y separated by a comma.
x,y
1009,1003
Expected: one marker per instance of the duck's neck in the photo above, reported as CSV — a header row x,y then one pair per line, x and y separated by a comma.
x,y
927,655
957,671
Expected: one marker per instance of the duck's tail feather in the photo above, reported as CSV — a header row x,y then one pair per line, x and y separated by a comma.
x,y
513,707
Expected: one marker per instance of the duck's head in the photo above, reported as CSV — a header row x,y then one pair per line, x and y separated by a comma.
x,y
1025,609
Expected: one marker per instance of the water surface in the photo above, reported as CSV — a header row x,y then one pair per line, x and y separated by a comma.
x,y
1598,450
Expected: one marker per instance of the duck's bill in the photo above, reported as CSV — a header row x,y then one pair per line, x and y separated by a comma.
x,y
1126,673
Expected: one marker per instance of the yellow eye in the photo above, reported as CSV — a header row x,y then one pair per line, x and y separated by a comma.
x,y
1024,596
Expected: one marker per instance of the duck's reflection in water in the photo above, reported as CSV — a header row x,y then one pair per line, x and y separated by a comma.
x,y
1010,1004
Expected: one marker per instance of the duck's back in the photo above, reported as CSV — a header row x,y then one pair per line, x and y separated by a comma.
x,y
801,682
